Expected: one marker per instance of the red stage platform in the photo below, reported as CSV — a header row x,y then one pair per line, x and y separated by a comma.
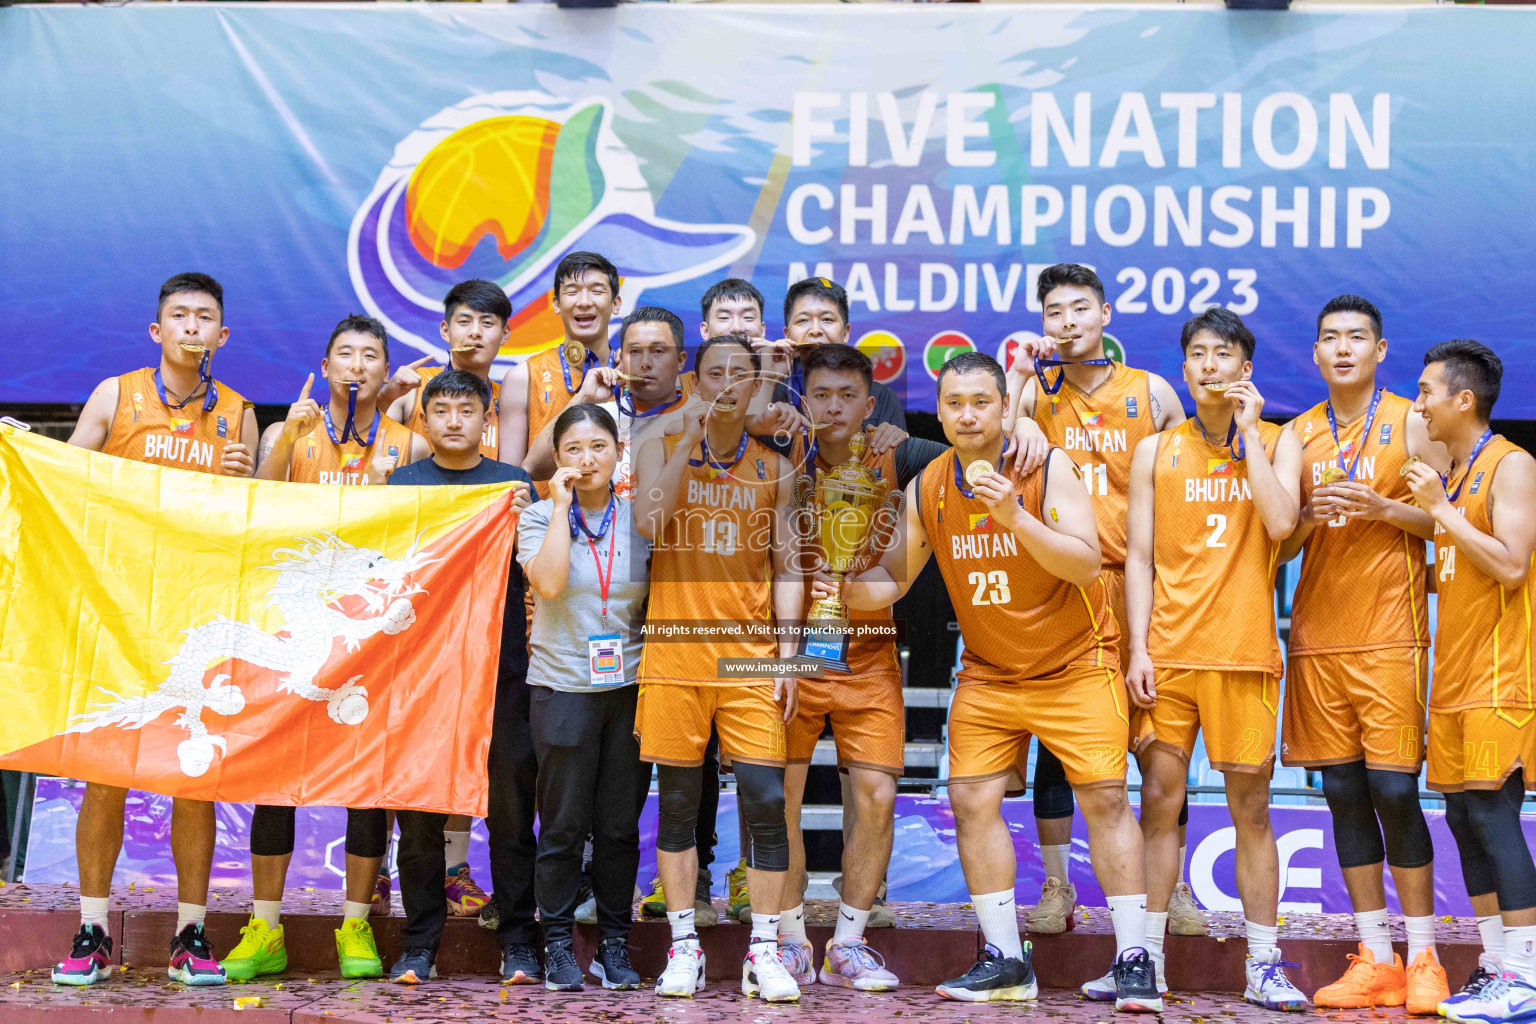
x,y
935,942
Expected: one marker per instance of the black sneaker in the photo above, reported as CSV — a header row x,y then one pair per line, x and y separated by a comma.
x,y
561,971
611,966
192,960
520,964
414,966
1136,982
993,977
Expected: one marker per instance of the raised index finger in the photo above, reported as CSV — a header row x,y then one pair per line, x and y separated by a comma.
x,y
418,363
308,383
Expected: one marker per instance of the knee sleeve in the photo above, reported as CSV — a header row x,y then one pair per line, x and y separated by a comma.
x,y
760,793
1356,835
367,832
1053,795
677,807
1495,819
1395,795
1184,812
271,831
1476,868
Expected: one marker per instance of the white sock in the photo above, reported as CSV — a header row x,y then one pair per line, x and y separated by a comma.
x,y
682,925
765,932
1181,862
350,910
457,849
1157,930
1375,934
998,916
850,923
190,913
270,911
1491,928
1129,916
1057,860
1520,951
792,923
1421,935
1262,939
93,910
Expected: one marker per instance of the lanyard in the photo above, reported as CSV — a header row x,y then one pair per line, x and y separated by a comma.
x,y
1333,425
960,479
1477,450
1233,443
350,431
1042,364
579,522
211,397
741,450
588,361
634,412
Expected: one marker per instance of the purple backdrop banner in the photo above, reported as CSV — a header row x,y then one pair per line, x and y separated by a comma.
x,y
924,865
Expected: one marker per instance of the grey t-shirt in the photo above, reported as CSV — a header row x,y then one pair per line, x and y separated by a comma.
x,y
558,643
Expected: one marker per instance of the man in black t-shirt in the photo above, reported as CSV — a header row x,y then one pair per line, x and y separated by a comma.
x,y
455,405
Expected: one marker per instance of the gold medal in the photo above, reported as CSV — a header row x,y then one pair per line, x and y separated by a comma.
x,y
462,348
1408,463
974,471
1333,475
1218,386
575,354
199,349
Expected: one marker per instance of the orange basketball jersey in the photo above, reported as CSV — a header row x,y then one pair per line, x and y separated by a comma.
x,y
1483,655
489,440
547,394
866,658
1018,621
316,459
712,568
1362,582
145,429
1213,587
1099,431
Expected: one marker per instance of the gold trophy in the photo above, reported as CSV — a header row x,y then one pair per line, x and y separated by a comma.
x,y
844,504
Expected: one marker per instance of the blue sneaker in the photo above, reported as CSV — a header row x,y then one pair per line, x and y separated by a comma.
x,y
414,966
1502,999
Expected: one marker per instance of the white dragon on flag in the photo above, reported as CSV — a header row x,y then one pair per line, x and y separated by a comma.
x,y
311,580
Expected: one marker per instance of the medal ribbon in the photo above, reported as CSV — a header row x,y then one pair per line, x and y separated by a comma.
x,y
579,522
350,431
1041,365
741,450
211,396
1333,425
1477,450
960,477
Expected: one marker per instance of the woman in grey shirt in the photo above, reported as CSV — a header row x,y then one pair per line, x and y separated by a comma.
x,y
590,572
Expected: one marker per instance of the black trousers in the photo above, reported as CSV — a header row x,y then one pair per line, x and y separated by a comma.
x,y
591,782
422,859
705,836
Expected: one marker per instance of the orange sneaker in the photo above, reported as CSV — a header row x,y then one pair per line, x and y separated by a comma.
x,y
1365,984
1427,986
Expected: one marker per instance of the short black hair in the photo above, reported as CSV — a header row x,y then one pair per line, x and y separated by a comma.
x,y
1351,304
1223,323
191,282
361,325
453,383
1470,366
973,362
838,359
732,338
480,295
824,287
730,288
654,315
576,264
1059,274
577,412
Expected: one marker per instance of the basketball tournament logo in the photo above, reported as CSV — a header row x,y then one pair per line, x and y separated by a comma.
x,y
501,186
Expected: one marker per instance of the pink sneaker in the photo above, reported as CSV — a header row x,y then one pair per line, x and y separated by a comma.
x,y
192,959
381,889
465,898
799,959
852,964
89,960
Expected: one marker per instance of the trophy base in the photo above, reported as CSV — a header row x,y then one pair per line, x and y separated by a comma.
x,y
826,639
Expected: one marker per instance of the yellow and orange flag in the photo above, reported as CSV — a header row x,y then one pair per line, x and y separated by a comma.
x,y
225,639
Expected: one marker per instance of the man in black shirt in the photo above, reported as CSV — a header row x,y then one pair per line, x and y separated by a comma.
x,y
455,405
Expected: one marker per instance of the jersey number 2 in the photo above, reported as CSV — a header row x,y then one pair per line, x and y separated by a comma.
x,y
998,594
1219,524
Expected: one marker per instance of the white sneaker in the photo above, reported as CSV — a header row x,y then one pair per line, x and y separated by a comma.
x,y
1506,997
587,912
764,976
684,974
1103,990
1269,987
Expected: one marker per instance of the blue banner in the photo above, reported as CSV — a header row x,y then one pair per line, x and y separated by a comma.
x,y
321,160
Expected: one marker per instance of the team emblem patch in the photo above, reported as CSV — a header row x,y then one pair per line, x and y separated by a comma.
x,y
352,462
1218,467
1385,437
221,426
394,451
1130,407
1091,419
762,471
981,522
1477,481
181,427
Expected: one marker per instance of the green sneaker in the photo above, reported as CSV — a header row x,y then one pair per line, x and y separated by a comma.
x,y
355,950
738,903
654,904
261,951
